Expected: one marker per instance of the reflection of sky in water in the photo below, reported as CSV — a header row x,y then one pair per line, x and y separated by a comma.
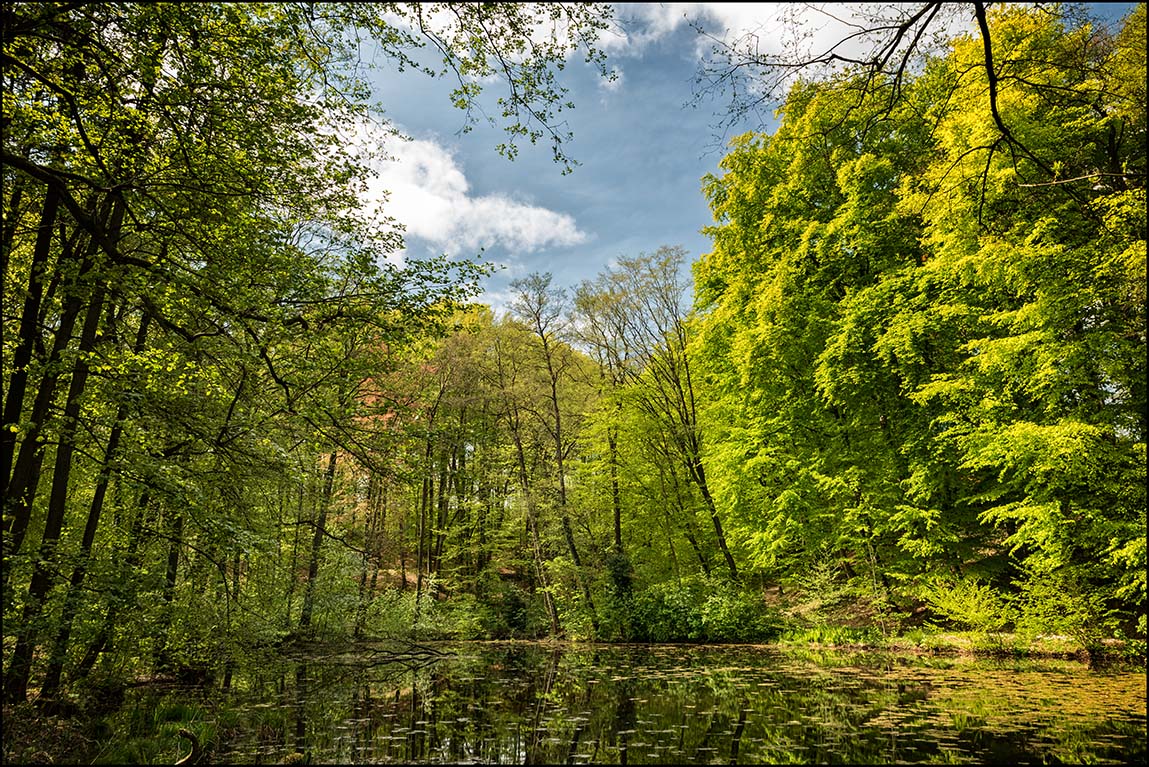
x,y
503,703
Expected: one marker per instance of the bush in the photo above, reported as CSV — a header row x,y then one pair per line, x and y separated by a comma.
x,y
977,606
700,609
1060,603
738,617
666,612
505,612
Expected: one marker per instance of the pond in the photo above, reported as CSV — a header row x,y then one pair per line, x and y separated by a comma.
x,y
515,703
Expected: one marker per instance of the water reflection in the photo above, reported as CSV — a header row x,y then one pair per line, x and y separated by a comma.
x,y
527,704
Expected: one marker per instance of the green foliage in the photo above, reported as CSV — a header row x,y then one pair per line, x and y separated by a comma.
x,y
976,606
701,609
921,331
740,616
1061,602
209,325
575,615
832,635
618,607
917,347
668,612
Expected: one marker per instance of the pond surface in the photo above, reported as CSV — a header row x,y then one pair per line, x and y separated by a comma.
x,y
539,703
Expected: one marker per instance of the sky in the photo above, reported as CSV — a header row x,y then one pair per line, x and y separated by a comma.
x,y
642,152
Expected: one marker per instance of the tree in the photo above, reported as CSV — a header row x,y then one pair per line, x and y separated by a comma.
x,y
636,316
542,308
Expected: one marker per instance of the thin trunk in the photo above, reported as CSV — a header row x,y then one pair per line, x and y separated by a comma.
x,y
160,658
699,476
402,525
568,534
25,480
420,529
294,569
441,512
615,496
667,528
8,230
536,541
688,530
229,664
122,595
317,544
16,684
72,601
29,330
481,523
364,558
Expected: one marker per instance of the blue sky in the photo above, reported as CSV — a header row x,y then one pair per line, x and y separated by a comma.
x,y
642,154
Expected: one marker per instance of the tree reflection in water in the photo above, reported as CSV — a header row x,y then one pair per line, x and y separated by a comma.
x,y
522,703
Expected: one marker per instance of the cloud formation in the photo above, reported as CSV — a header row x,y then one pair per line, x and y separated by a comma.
x,y
427,191
814,26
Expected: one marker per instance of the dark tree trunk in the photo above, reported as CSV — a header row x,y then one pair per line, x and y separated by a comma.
x,y
29,330
615,496
317,545
699,476
25,480
122,596
20,668
171,574
72,601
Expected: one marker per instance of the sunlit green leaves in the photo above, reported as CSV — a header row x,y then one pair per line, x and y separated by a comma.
x,y
915,338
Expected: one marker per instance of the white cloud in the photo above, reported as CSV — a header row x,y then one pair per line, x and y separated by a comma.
x,y
423,186
640,25
815,26
735,33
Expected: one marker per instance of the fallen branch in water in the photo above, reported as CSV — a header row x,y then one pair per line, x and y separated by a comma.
x,y
196,751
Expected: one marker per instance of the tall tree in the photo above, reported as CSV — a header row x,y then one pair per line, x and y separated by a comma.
x,y
542,308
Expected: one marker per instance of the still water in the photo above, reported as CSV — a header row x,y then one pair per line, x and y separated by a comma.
x,y
532,703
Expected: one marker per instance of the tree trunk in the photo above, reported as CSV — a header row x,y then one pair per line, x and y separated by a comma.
x,y
568,534
29,330
79,572
441,511
291,583
8,231
25,480
160,659
122,596
317,544
20,667
536,540
615,495
699,476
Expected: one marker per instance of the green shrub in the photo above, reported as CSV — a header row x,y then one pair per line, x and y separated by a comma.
x,y
824,634
738,616
667,612
391,613
1059,602
976,606
505,612
700,609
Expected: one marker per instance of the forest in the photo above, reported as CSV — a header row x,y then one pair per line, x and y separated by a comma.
x,y
906,386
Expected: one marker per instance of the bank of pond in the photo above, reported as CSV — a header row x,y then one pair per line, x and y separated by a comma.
x,y
521,702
